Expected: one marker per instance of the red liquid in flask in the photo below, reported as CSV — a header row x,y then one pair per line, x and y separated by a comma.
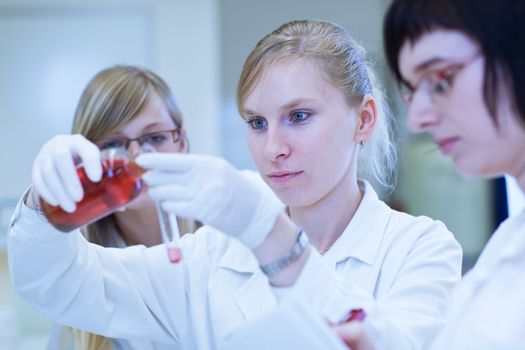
x,y
120,184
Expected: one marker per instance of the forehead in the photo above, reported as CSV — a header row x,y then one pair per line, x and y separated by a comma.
x,y
437,45
287,79
154,113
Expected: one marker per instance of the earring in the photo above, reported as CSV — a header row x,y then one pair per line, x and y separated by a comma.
x,y
361,142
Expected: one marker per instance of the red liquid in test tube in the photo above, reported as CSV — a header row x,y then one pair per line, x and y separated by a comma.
x,y
170,234
174,254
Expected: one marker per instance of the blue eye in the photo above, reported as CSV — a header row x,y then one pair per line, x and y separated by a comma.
x,y
298,117
257,123
154,139
113,143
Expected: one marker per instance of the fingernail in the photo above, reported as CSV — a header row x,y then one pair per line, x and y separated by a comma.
x,y
140,160
69,207
77,193
146,177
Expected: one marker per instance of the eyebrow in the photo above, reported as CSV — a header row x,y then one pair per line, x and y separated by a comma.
x,y
421,67
146,129
164,125
290,105
424,65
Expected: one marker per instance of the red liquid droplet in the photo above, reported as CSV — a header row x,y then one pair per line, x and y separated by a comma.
x,y
120,184
175,255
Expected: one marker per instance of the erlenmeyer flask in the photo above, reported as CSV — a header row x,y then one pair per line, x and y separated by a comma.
x,y
120,184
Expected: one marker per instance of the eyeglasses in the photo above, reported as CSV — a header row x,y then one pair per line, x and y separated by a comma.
x,y
437,84
159,140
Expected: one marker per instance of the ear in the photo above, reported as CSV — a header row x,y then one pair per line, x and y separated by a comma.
x,y
367,118
184,142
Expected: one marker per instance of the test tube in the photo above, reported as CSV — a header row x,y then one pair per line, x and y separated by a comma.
x,y
170,234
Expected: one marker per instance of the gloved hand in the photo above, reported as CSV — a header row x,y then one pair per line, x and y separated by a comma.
x,y
212,191
54,174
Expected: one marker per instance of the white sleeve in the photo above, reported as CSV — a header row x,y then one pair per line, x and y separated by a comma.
x,y
108,291
410,313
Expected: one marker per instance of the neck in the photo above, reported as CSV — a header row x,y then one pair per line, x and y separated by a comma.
x,y
336,210
520,179
139,226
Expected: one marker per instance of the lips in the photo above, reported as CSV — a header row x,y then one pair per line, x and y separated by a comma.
x,y
447,145
283,176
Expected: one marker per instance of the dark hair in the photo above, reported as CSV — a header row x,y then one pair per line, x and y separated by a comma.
x,y
496,25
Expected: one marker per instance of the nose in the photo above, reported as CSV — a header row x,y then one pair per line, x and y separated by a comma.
x,y
422,114
276,146
134,148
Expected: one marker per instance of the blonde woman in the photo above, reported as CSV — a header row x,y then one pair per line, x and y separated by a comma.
x,y
312,111
118,105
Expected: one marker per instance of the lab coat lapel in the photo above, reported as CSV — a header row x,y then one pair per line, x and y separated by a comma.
x,y
254,297
362,238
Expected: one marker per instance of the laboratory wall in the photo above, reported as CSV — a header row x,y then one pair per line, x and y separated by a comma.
x,y
49,51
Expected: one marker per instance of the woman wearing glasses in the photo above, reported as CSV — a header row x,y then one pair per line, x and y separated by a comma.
x,y
123,107
461,65
315,121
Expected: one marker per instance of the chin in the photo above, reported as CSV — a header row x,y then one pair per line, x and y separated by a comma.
x,y
294,199
474,170
286,196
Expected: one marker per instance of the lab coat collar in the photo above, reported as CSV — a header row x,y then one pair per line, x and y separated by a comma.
x,y
362,237
238,258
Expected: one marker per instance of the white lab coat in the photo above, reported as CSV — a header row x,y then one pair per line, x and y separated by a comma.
x,y
488,307
63,339
400,268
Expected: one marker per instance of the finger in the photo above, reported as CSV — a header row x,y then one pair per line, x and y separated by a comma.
x,y
174,193
354,335
67,171
39,185
185,209
90,155
155,178
175,162
54,183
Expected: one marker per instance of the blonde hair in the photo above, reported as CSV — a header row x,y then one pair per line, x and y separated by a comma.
x,y
113,98
343,61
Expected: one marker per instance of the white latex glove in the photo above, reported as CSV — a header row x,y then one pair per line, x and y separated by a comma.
x,y
212,191
54,174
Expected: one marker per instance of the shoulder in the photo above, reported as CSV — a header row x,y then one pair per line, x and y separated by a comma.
x,y
425,238
418,225
399,225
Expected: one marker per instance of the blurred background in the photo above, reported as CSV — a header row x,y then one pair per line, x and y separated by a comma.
x,y
50,49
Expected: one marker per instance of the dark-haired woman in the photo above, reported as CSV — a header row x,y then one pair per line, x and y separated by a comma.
x,y
461,64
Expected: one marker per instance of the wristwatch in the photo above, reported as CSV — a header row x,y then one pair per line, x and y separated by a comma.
x,y
275,267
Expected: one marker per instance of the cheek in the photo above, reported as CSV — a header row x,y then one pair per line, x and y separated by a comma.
x,y
255,146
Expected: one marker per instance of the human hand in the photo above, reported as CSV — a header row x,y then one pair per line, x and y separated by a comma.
x,y
354,335
212,191
54,172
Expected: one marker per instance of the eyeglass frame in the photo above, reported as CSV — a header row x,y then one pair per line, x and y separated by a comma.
x,y
175,133
441,78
